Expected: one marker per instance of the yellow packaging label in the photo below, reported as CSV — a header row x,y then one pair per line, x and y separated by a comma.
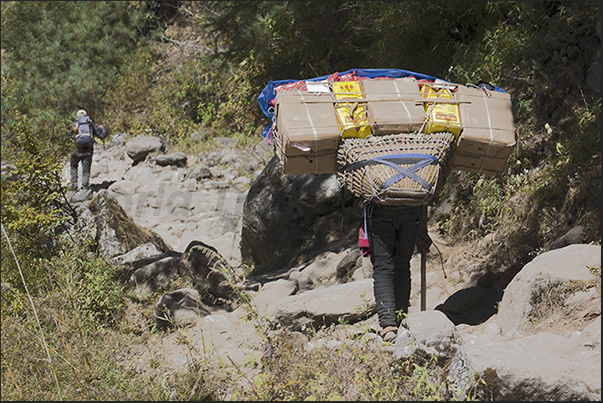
x,y
441,117
347,89
352,116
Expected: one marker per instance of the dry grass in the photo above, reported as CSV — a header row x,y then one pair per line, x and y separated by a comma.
x,y
92,359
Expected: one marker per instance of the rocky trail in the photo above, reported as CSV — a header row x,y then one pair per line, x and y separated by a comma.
x,y
480,325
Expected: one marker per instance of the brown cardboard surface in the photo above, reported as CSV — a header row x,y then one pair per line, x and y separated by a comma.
x,y
492,143
391,105
306,123
323,164
477,162
391,117
380,89
318,163
485,109
488,136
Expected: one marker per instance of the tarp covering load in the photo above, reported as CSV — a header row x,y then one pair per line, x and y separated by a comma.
x,y
314,121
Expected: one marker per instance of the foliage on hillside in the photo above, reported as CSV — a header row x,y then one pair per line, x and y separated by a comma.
x,y
177,68
220,55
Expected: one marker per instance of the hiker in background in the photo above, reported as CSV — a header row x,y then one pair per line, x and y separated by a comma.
x,y
393,233
84,130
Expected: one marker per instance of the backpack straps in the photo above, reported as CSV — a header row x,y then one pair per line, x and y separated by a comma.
x,y
85,126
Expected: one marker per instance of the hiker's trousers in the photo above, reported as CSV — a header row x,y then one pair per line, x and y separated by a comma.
x,y
86,160
392,237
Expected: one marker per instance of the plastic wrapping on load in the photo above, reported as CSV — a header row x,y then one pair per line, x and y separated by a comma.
x,y
442,114
351,110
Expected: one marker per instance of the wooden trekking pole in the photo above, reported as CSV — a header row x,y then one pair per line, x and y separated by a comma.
x,y
423,264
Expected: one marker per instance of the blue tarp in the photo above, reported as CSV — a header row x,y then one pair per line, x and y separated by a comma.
x,y
269,92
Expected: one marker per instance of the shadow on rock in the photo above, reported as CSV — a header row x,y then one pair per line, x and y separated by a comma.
x,y
178,307
138,263
474,305
103,185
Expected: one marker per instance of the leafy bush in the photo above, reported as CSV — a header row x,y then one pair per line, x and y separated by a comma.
x,y
64,54
33,199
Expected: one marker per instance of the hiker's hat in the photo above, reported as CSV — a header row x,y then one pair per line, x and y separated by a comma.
x,y
81,112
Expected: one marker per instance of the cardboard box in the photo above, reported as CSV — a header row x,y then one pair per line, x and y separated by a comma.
x,y
486,109
306,127
391,105
491,143
477,163
322,164
351,110
488,136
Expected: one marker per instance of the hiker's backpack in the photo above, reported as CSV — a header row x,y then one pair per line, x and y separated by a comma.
x,y
85,131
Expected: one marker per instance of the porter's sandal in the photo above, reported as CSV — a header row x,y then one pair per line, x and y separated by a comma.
x,y
388,333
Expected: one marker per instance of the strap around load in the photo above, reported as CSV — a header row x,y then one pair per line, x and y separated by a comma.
x,y
392,160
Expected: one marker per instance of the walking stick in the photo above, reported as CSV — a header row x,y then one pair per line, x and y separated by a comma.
x,y
423,264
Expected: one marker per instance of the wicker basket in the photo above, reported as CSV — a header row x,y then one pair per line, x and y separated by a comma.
x,y
404,169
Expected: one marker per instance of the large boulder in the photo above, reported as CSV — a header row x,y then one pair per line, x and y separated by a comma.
x,y
105,223
178,159
537,281
139,147
323,306
545,341
427,332
287,216
203,263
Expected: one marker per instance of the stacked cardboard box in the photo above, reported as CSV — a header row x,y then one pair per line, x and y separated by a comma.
x,y
488,136
391,105
307,132
309,126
